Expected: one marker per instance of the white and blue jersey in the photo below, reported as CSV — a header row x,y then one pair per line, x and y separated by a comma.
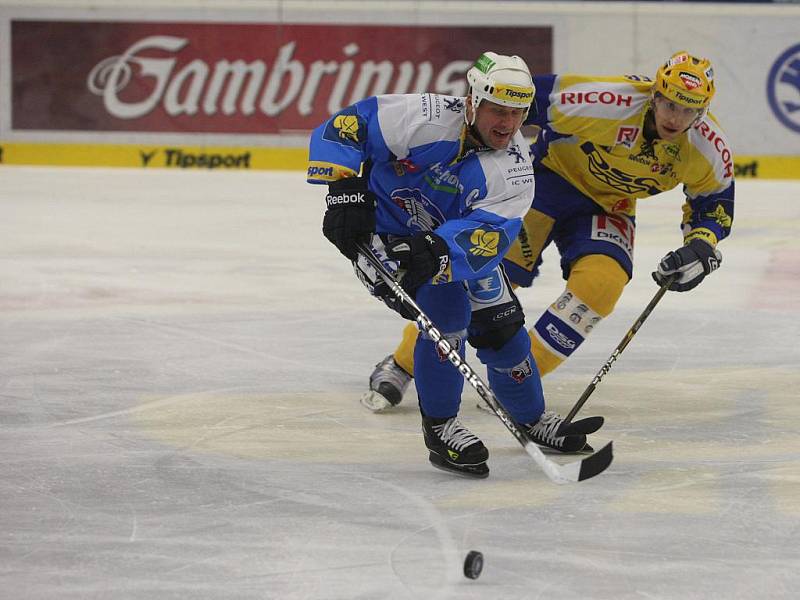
x,y
412,147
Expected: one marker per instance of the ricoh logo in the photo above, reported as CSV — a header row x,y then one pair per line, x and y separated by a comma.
x,y
596,98
713,136
237,87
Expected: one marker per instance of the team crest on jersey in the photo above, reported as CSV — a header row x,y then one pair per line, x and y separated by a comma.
x,y
673,150
482,245
423,214
454,104
721,217
626,135
516,153
616,178
486,290
347,128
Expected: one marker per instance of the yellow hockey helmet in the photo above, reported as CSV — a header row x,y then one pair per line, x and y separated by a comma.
x,y
686,80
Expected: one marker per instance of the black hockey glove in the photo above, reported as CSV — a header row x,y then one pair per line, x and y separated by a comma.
x,y
350,217
691,264
420,257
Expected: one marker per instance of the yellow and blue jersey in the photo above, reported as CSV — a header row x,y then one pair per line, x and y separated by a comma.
x,y
426,178
592,135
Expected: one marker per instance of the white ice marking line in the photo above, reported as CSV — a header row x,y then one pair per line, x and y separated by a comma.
x,y
321,368
438,523
145,406
134,527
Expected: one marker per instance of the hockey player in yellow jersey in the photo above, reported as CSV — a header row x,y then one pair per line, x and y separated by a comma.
x,y
605,143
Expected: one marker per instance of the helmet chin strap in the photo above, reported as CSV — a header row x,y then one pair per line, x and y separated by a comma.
x,y
471,102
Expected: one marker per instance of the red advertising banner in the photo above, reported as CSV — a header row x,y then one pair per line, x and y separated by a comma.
x,y
264,78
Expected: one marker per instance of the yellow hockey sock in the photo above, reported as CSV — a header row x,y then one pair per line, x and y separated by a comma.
x,y
404,354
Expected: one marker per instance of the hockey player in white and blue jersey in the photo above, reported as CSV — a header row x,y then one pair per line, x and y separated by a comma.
x,y
607,143
438,186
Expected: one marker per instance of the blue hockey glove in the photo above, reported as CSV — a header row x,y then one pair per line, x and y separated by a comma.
x,y
350,217
420,258
691,264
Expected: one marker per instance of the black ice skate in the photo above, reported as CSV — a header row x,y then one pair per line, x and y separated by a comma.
x,y
387,384
543,432
455,448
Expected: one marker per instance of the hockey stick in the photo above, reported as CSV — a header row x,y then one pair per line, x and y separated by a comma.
x,y
577,471
614,355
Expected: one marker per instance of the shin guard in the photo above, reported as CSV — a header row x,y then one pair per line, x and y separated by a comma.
x,y
593,288
514,379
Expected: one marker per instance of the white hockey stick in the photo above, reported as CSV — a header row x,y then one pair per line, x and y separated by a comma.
x,y
576,471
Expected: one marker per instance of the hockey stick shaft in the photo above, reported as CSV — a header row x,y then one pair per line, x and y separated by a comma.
x,y
577,471
617,351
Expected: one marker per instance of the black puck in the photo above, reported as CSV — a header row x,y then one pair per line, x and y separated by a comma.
x,y
473,564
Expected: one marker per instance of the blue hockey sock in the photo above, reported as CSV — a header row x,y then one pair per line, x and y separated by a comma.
x,y
439,384
514,378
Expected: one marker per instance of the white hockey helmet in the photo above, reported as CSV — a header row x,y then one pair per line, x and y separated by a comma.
x,y
501,79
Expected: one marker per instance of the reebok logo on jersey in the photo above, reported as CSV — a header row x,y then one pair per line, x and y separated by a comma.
x,y
345,198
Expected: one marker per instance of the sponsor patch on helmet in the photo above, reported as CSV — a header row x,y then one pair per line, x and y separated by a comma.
x,y
513,93
689,80
484,63
678,59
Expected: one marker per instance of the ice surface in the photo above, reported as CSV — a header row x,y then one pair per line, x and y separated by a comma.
x,y
181,355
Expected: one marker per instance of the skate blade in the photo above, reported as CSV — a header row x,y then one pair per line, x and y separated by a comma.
x,y
375,402
480,471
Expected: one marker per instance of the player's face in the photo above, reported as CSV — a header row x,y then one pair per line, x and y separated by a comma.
x,y
497,124
672,119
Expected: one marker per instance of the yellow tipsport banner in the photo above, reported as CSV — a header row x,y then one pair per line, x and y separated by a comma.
x,y
153,157
293,159
767,167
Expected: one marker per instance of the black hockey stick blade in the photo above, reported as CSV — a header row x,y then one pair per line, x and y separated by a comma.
x,y
581,426
597,462
578,470
615,355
